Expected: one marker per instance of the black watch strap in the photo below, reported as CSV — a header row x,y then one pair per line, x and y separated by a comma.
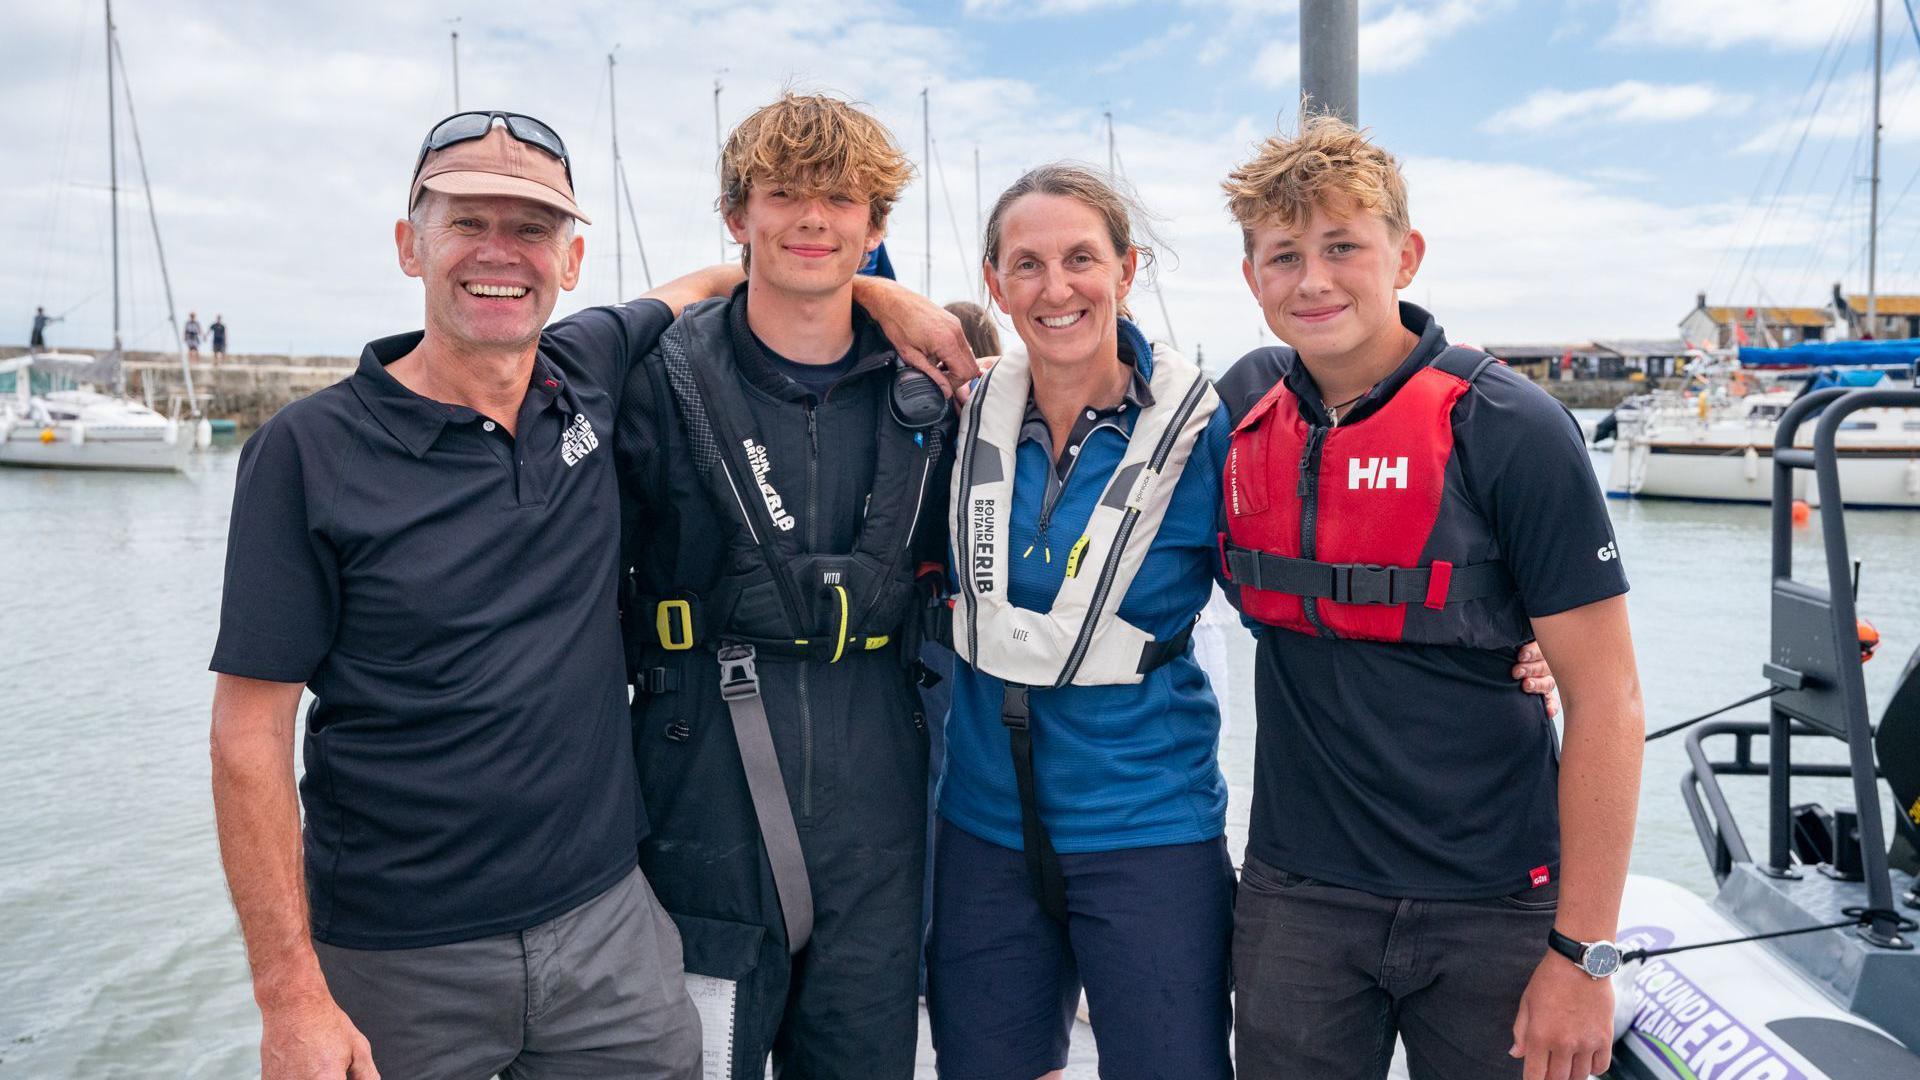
x,y
1575,951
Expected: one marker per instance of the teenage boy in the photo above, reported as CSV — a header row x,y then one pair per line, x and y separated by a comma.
x,y
788,494
1402,516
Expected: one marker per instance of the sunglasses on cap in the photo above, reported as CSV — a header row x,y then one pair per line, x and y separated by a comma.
x,y
462,127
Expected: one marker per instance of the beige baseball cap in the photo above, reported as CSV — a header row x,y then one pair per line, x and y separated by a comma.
x,y
497,164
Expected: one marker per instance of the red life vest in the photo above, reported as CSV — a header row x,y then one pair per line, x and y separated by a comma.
x,y
1354,531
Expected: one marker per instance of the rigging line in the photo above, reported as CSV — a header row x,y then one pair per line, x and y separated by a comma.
x,y
1786,174
1819,247
959,242
633,217
56,191
1760,179
1165,317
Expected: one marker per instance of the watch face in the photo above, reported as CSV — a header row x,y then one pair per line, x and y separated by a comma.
x,y
1602,959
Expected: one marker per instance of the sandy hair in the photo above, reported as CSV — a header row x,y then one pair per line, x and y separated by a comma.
x,y
1327,159
813,145
1083,185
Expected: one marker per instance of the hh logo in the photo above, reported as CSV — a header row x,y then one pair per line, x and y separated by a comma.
x,y
1609,552
1539,876
1376,472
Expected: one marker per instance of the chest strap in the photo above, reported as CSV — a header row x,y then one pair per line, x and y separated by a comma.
x,y
1433,586
740,689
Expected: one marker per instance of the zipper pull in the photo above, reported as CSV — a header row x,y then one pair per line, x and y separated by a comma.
x,y
813,431
1306,458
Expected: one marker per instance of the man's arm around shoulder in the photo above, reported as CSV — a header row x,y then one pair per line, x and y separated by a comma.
x,y
257,811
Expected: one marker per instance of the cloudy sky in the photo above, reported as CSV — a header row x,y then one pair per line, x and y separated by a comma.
x,y
1581,167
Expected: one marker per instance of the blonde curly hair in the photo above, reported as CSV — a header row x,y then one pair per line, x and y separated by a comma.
x,y
814,145
1327,158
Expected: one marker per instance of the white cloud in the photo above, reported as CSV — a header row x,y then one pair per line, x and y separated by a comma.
x,y
1034,9
1623,102
1726,24
1403,36
1394,41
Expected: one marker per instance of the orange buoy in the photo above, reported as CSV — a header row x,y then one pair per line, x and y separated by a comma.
x,y
1801,512
46,435
1869,639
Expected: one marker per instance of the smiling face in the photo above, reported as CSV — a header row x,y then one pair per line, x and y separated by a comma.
x,y
804,244
1060,280
1329,285
493,267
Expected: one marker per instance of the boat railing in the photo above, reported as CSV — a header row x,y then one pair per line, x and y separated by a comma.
x,y
1816,660
1713,821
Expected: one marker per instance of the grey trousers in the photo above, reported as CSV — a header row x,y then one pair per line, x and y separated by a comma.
x,y
1325,977
596,992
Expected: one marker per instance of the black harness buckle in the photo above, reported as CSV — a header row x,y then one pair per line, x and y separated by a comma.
x,y
1013,708
738,678
1363,583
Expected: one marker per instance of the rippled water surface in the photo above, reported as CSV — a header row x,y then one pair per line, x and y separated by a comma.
x,y
118,952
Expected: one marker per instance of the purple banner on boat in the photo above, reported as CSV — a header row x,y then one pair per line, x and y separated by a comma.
x,y
1692,1034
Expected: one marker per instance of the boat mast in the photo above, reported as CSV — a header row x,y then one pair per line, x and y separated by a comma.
x,y
979,233
113,192
1873,188
454,34
613,110
719,148
926,162
153,219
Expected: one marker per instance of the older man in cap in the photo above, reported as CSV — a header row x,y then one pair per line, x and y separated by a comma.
x,y
431,547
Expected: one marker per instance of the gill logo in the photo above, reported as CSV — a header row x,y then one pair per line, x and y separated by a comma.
x,y
1608,552
761,464
1376,473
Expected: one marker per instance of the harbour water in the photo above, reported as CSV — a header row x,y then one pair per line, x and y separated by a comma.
x,y
119,956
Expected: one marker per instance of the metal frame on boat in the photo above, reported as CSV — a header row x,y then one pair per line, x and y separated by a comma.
x,y
1808,1003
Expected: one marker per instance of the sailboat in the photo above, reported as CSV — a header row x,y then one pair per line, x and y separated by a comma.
x,y
1712,442
70,411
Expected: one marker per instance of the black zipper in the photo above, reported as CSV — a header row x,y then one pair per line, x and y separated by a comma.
x,y
1309,494
806,707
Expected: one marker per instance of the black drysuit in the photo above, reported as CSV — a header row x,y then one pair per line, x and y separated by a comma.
x,y
849,735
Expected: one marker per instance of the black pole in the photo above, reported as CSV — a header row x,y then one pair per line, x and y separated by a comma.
x,y
1330,58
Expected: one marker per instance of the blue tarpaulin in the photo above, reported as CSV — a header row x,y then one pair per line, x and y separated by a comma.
x,y
1833,354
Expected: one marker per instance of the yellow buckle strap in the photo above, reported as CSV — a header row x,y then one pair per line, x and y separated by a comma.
x,y
664,620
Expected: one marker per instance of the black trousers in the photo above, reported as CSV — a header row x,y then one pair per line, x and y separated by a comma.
x,y
1327,976
854,762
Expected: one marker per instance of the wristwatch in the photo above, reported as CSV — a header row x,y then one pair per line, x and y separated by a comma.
x,y
1598,959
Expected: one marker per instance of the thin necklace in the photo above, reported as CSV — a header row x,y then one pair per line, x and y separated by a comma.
x,y
1333,411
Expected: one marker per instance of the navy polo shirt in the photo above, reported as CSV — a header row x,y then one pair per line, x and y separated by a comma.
x,y
1416,770
448,593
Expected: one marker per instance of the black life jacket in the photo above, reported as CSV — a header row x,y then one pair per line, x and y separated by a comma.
x,y
1362,530
774,596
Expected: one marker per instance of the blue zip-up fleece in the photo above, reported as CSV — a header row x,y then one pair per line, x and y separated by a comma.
x,y
1116,766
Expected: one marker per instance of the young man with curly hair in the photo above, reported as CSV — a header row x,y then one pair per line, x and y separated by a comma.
x,y
1403,515
782,502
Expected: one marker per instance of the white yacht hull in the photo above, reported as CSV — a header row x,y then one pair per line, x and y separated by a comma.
x,y
24,448
1731,460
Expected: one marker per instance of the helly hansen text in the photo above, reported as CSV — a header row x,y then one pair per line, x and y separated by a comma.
x,y
1376,473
